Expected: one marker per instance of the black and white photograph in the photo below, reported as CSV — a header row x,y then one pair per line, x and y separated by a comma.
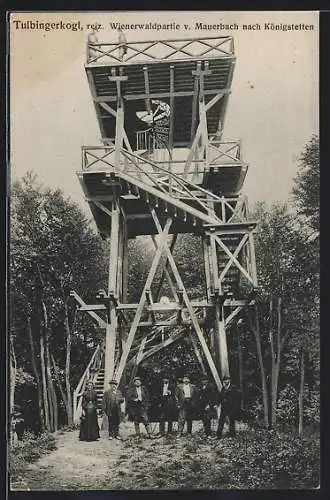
x,y
164,267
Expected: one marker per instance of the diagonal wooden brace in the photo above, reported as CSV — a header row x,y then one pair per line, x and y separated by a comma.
x,y
139,310
96,317
233,259
189,307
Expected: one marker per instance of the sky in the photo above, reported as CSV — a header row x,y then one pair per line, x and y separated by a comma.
x,y
273,107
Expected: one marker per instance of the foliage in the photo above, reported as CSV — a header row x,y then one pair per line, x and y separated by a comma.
x,y
255,459
53,250
29,449
306,190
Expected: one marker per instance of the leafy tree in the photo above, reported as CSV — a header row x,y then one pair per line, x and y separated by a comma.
x,y
53,250
285,308
307,184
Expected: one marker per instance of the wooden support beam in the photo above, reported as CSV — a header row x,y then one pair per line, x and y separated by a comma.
x,y
172,101
233,258
137,359
92,307
232,315
108,108
252,257
94,96
192,150
137,317
165,343
102,207
112,326
150,303
215,99
147,89
204,132
190,308
164,271
194,101
207,269
82,303
214,265
197,353
221,340
125,261
114,240
154,95
119,135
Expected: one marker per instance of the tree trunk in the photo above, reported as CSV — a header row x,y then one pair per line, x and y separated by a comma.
x,y
68,366
240,367
58,380
13,374
276,358
301,393
256,331
37,375
274,389
51,392
43,378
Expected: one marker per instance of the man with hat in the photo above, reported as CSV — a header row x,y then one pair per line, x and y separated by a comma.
x,y
112,399
207,402
138,402
166,405
229,402
185,397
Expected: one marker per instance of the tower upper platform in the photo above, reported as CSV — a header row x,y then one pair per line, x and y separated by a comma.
x,y
165,70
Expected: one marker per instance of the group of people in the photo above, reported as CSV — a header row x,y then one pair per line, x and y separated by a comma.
x,y
181,401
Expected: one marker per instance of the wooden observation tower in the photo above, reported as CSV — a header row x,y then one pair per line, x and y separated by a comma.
x,y
163,169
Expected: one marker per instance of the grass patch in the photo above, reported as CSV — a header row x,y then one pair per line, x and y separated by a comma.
x,y
27,450
255,459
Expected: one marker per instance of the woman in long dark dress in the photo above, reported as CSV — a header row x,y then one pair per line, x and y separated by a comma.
x,y
89,427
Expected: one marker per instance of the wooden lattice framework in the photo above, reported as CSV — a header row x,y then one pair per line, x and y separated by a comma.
x,y
132,193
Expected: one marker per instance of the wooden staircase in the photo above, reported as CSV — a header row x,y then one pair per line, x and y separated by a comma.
x,y
99,387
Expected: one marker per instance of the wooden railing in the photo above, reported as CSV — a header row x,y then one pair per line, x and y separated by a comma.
x,y
158,174
224,152
89,374
160,50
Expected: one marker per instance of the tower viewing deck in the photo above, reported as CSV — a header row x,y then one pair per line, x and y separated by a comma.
x,y
166,70
173,96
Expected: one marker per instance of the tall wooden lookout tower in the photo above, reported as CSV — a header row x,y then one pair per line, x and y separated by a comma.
x,y
163,169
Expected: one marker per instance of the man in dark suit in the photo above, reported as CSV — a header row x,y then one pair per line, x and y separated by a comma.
x,y
229,403
112,399
166,405
207,402
138,402
185,396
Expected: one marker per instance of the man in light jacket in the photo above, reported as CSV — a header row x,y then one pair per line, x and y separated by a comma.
x,y
185,397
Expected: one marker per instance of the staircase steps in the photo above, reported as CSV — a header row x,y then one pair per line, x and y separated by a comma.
x,y
99,387
166,203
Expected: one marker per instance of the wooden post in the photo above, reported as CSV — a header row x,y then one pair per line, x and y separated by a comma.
x,y
112,324
220,339
219,332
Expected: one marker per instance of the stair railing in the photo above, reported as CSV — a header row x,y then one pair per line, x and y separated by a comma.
x,y
89,374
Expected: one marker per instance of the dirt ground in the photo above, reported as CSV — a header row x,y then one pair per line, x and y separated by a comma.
x,y
130,464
